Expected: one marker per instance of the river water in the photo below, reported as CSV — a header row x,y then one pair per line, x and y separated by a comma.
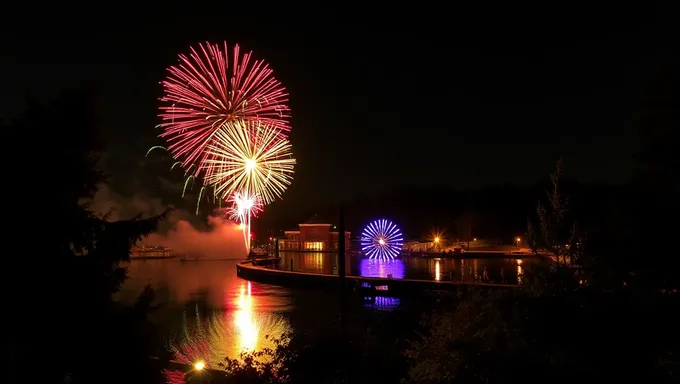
x,y
498,270
208,313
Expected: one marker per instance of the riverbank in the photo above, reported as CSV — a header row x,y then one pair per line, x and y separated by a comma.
x,y
358,284
472,255
136,257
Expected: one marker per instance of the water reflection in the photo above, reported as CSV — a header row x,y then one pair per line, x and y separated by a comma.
x,y
498,270
381,302
475,269
214,314
382,268
520,273
318,262
243,318
229,333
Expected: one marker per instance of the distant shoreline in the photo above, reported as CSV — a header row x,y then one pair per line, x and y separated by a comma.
x,y
177,258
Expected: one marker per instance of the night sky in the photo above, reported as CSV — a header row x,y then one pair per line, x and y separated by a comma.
x,y
380,97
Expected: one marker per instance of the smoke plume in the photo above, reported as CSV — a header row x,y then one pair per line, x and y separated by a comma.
x,y
222,240
218,239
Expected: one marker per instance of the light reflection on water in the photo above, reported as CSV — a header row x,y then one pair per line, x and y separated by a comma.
x,y
244,320
382,303
381,268
520,272
498,270
228,333
210,312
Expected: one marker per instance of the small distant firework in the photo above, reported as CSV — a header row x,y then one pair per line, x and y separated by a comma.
x,y
249,158
243,208
203,95
381,240
243,205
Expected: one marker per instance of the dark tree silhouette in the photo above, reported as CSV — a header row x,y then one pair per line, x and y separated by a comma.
x,y
66,326
555,236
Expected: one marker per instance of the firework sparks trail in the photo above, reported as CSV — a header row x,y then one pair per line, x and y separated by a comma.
x,y
250,158
203,95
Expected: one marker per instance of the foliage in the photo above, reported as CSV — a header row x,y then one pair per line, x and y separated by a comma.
x,y
78,261
555,236
495,337
264,366
466,344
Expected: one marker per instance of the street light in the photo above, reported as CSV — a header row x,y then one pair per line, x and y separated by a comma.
x,y
518,239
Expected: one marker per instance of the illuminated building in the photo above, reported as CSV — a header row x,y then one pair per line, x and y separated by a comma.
x,y
315,235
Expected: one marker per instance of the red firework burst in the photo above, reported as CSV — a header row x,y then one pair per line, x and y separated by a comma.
x,y
202,93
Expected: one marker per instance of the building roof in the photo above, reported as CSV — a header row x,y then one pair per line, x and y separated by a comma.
x,y
316,220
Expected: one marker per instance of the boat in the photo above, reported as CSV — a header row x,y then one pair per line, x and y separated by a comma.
x,y
189,257
144,252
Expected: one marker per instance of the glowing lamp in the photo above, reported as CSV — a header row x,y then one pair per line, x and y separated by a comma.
x,y
199,365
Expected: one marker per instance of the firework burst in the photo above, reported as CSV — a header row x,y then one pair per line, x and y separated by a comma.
x,y
208,90
242,205
243,208
381,240
250,158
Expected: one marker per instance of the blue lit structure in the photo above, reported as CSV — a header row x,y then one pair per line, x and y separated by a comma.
x,y
381,240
